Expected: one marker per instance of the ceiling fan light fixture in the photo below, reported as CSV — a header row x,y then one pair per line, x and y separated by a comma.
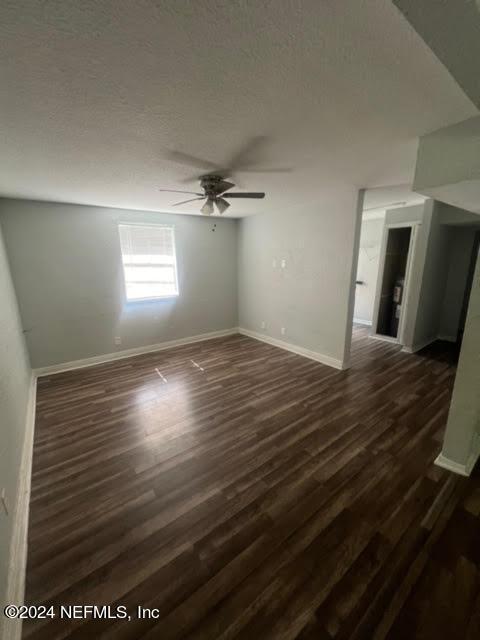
x,y
207,208
222,205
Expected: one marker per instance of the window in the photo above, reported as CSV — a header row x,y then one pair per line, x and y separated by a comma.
x,y
149,262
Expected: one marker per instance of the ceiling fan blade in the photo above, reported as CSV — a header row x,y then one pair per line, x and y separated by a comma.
x,y
223,186
239,194
246,154
222,205
207,208
177,204
191,161
194,193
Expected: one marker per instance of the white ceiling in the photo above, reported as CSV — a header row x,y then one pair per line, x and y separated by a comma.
x,y
94,94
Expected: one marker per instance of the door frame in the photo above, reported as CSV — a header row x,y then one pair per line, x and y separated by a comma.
x,y
412,247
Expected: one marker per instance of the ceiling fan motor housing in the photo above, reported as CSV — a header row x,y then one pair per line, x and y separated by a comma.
x,y
212,185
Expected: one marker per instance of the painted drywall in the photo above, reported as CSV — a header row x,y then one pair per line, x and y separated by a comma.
x,y
448,165
15,379
433,280
459,259
367,269
449,155
454,216
309,296
66,267
406,215
445,252
462,436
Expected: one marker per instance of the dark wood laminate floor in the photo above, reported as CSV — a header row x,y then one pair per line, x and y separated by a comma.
x,y
246,492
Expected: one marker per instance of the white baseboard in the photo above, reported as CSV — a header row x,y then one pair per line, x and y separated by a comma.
x,y
301,351
420,346
425,343
12,629
456,467
367,323
128,353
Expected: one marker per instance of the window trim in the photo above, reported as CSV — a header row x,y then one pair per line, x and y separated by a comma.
x,y
149,224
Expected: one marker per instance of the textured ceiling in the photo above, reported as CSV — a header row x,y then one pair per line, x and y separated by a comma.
x,y
93,94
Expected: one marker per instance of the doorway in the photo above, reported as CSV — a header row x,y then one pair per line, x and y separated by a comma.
x,y
393,281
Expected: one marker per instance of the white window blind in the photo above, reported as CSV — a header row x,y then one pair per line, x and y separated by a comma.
x,y
149,262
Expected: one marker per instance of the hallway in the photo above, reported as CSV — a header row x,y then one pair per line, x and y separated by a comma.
x,y
257,494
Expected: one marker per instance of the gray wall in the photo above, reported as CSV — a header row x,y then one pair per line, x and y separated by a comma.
x,y
462,436
66,267
15,375
310,296
448,164
367,270
456,216
448,156
444,274
461,247
434,279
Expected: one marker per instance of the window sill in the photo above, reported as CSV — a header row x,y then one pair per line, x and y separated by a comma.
x,y
155,299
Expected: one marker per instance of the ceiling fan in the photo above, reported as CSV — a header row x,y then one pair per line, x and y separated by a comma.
x,y
214,183
215,193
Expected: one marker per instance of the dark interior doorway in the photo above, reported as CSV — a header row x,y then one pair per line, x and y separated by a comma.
x,y
393,281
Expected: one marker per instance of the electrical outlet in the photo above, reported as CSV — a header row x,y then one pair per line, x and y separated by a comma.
x,y
117,340
282,331
3,501
283,264
263,324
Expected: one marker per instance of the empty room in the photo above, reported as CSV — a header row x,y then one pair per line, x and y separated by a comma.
x,y
239,319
